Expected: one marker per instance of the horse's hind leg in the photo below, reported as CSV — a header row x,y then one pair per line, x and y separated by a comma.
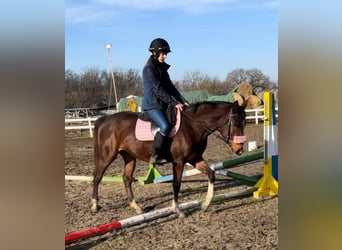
x,y
204,168
100,167
128,179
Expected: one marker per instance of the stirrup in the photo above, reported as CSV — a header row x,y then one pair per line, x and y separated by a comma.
x,y
161,161
156,160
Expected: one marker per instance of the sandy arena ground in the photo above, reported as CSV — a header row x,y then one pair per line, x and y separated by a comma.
x,y
237,223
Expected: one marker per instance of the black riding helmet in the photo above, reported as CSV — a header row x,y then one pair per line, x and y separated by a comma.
x,y
159,45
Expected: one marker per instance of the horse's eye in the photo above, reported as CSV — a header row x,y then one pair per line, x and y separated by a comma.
x,y
236,124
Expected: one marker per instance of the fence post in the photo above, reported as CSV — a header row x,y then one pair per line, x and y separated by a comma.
x,y
268,184
256,117
90,129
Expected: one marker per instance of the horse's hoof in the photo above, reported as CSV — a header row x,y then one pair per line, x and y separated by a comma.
x,y
204,207
181,215
135,206
94,207
139,211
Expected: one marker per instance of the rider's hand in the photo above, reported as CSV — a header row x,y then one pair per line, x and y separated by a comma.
x,y
179,106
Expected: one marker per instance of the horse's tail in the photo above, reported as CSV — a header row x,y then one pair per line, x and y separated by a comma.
x,y
97,125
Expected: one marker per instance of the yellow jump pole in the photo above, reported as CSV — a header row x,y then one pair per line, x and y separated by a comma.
x,y
268,184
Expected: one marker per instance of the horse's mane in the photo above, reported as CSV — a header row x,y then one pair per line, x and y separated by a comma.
x,y
194,107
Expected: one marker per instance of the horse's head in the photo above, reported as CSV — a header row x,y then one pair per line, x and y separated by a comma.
x,y
233,129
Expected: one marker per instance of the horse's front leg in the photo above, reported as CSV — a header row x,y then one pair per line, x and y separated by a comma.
x,y
128,179
204,168
177,179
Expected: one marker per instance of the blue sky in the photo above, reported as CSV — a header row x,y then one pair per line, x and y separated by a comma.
x,y
210,36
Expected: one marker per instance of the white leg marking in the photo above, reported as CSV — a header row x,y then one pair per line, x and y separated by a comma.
x,y
135,206
94,205
209,196
176,209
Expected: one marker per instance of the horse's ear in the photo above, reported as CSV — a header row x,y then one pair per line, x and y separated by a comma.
x,y
244,104
235,105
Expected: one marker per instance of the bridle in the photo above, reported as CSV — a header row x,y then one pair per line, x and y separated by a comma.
x,y
228,122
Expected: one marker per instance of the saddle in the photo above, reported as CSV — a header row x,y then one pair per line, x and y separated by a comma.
x,y
146,129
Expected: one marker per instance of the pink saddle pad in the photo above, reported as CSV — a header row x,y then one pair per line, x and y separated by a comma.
x,y
143,129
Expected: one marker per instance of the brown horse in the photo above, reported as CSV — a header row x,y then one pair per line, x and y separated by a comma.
x,y
115,134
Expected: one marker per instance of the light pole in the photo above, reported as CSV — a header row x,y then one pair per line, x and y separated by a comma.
x,y
108,46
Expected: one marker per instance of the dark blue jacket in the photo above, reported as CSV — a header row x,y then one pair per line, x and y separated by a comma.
x,y
159,91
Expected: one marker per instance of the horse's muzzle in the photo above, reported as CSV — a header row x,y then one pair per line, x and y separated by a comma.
x,y
240,151
240,139
237,144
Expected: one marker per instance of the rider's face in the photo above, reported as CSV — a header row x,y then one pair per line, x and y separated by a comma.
x,y
162,57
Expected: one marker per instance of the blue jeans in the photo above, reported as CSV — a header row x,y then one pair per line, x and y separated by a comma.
x,y
160,119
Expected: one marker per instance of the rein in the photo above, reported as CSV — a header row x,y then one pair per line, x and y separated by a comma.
x,y
213,131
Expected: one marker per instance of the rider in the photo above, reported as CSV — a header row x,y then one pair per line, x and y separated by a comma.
x,y
159,92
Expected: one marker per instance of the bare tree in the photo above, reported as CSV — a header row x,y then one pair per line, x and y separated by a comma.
x,y
255,77
197,81
93,88
128,83
72,81
236,77
258,79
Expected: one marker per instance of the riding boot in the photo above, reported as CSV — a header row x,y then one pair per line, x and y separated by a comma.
x,y
157,149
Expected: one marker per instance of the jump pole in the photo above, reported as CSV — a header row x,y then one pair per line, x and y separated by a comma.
x,y
217,166
268,184
249,179
90,178
151,174
153,215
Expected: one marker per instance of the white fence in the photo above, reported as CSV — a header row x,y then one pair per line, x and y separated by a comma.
x,y
80,123
88,123
258,114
